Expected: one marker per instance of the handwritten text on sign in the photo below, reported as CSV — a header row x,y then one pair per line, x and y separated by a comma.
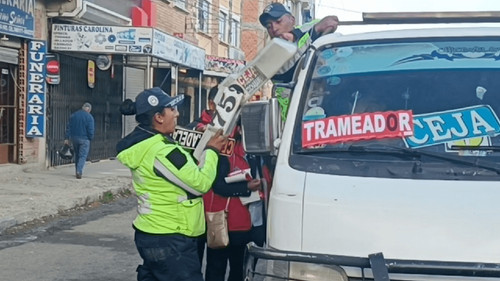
x,y
228,99
190,139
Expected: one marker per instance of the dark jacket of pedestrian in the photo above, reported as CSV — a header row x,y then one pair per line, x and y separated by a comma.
x,y
80,130
81,124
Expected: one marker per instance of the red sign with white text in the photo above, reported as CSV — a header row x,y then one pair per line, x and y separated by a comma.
x,y
53,67
376,125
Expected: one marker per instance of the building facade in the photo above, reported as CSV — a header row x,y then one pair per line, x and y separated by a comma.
x,y
56,55
59,54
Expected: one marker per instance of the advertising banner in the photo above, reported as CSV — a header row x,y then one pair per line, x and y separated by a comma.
x,y
175,50
226,65
101,39
126,40
17,18
53,69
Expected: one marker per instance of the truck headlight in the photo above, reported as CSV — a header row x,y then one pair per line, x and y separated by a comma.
x,y
313,272
279,270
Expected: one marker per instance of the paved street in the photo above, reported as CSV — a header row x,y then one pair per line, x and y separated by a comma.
x,y
95,245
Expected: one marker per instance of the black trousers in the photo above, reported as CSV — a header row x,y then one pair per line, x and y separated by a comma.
x,y
217,259
172,257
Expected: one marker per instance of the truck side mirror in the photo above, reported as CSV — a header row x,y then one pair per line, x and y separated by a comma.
x,y
261,126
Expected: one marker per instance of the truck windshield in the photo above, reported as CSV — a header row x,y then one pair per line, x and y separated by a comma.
x,y
439,97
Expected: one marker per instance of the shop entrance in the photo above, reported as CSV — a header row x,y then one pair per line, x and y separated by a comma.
x,y
69,96
8,109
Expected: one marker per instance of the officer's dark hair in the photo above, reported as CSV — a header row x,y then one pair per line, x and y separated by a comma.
x,y
128,108
213,92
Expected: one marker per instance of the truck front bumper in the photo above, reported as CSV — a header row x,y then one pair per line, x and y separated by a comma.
x,y
260,264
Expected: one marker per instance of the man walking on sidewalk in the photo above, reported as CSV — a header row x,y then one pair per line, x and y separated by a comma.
x,y
80,130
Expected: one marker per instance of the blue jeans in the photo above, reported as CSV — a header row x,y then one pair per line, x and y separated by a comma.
x,y
171,257
82,148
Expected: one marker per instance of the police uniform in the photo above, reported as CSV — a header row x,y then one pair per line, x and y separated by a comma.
x,y
169,185
303,35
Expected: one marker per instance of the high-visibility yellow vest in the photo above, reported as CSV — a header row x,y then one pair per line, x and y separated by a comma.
x,y
169,184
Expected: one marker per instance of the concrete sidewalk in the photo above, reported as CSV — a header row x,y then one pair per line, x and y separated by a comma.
x,y
28,193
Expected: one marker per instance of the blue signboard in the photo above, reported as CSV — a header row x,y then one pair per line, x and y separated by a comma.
x,y
35,107
448,126
17,18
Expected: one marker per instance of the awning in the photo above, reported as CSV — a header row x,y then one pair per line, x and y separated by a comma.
x,y
85,12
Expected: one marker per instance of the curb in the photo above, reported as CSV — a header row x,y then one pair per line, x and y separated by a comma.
x,y
7,223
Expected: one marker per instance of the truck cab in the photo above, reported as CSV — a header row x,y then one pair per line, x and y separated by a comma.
x,y
388,163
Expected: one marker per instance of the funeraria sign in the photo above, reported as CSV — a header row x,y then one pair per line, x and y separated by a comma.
x,y
35,111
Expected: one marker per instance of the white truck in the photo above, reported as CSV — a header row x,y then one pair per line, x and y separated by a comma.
x,y
388,164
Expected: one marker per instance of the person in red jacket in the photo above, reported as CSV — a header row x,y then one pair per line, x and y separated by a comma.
x,y
207,114
239,220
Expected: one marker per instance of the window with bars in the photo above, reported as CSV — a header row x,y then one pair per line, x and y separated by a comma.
x,y
203,15
235,33
7,106
222,26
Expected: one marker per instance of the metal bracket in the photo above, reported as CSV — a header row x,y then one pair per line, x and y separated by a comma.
x,y
379,268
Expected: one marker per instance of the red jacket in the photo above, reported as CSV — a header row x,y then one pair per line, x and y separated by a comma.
x,y
238,214
205,118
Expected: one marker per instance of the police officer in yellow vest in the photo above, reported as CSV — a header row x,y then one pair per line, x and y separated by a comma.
x,y
280,23
169,185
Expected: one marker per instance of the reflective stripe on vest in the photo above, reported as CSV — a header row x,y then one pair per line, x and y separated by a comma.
x,y
174,179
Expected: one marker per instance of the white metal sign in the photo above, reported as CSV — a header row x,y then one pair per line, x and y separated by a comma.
x,y
238,88
190,139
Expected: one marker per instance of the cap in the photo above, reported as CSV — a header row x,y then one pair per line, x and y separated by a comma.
x,y
273,11
155,98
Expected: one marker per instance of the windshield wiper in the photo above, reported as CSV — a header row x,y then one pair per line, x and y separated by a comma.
x,y
476,147
477,162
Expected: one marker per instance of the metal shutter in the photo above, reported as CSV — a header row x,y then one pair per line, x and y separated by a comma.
x,y
9,55
134,84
